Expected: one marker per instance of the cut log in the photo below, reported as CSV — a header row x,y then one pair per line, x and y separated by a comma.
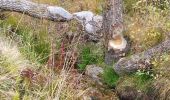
x,y
141,60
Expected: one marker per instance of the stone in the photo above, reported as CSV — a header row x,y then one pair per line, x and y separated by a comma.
x,y
94,72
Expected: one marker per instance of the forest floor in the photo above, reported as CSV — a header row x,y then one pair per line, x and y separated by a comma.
x,y
45,60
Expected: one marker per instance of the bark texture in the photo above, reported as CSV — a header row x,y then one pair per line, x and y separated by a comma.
x,y
141,60
41,11
113,20
113,26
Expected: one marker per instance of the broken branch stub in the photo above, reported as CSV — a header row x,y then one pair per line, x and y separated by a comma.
x,y
141,60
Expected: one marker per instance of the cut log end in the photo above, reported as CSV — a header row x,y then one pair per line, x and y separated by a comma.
x,y
118,43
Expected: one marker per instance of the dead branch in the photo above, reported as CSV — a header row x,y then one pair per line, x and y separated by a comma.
x,y
141,60
41,11
92,23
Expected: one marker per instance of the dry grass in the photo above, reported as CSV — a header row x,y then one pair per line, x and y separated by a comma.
x,y
147,27
20,79
76,5
26,75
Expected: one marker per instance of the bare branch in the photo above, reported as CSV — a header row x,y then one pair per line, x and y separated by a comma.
x,y
41,11
91,22
141,60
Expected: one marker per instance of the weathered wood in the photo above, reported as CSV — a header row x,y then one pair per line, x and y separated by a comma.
x,y
42,11
141,60
115,43
92,23
113,20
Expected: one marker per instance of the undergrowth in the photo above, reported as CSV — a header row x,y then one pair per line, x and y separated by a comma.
x,y
26,48
110,77
89,55
143,79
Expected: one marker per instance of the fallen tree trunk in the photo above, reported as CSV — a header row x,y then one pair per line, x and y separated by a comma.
x,y
141,60
41,11
91,22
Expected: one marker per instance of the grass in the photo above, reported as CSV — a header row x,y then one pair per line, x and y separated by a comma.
x,y
26,76
143,79
89,55
33,45
147,27
21,78
31,51
11,62
110,77
25,47
86,58
140,82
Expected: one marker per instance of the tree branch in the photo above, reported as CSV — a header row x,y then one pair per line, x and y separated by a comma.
x,y
41,11
141,60
91,22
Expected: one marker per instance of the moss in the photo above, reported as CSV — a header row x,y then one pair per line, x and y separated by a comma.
x,y
110,77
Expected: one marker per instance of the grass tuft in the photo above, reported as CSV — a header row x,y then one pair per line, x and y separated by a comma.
x,y
110,77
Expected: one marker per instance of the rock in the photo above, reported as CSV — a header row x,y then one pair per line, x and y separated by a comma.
x,y
94,72
96,94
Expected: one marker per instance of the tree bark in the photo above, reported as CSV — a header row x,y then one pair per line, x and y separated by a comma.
x,y
113,18
41,11
113,28
141,60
